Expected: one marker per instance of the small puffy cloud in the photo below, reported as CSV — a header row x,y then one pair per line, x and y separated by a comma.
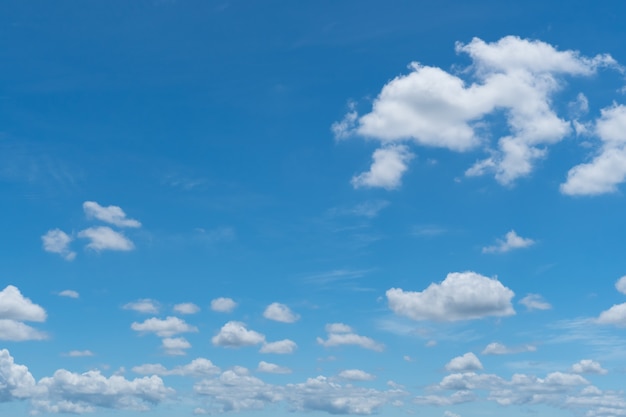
x,y
223,305
167,327
388,166
175,346
356,375
588,366
465,363
14,306
104,238
272,368
340,334
280,312
112,214
615,315
535,302
607,169
186,308
511,241
79,353
461,296
620,285
280,347
500,349
199,367
235,334
144,305
69,294
57,241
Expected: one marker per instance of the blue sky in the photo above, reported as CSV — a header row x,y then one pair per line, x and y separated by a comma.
x,y
281,208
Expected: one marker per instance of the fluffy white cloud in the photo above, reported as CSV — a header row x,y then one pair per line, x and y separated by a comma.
x,y
16,331
186,308
356,375
340,334
608,168
620,285
167,327
461,296
175,346
280,312
282,347
143,305
588,366
511,241
16,382
199,367
388,166
272,368
500,349
615,315
57,241
467,362
535,302
223,305
69,294
235,334
432,107
110,214
105,238
14,306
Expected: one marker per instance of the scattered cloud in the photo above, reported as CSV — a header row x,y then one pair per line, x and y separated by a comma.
x,y
280,312
57,241
465,363
535,302
16,331
620,285
69,294
356,375
588,366
105,238
175,346
186,308
199,367
144,305
272,368
280,347
500,349
234,334
461,296
340,334
511,241
163,327
388,166
223,305
79,353
615,315
14,306
111,214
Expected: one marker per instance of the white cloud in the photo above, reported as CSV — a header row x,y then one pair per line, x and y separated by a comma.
x,y
14,306
280,312
16,331
282,347
608,168
235,334
388,166
163,327
110,214
450,414
432,107
465,363
369,209
186,308
57,241
272,368
461,296
356,375
535,302
144,305
223,305
69,294
588,366
17,381
511,241
79,353
175,346
620,285
615,315
500,349
105,238
340,334
199,367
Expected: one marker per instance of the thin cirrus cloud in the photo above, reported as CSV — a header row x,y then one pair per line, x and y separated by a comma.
x,y
510,242
69,294
535,302
434,108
